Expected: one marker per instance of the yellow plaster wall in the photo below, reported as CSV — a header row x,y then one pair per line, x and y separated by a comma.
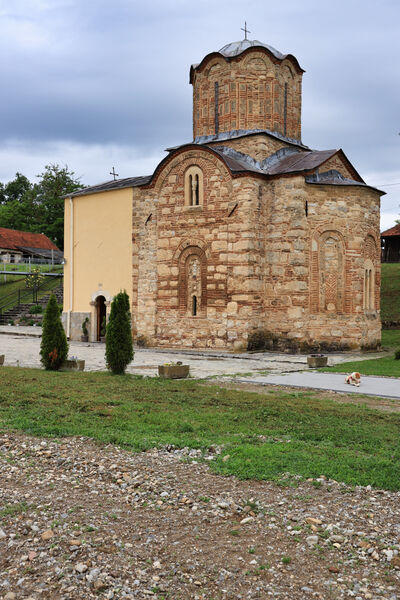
x,y
102,247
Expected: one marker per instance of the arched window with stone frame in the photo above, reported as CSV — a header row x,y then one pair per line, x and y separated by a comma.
x,y
192,284
194,186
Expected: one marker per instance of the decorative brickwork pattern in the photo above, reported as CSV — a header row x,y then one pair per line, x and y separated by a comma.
x,y
255,91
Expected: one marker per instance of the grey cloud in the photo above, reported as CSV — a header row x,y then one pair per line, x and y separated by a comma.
x,y
117,73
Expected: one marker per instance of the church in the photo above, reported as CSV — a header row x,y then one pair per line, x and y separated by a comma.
x,y
242,238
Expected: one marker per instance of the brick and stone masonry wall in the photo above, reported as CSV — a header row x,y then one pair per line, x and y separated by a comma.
x,y
251,95
280,255
315,264
220,232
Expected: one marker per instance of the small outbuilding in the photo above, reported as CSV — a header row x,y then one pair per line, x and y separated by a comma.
x,y
390,242
18,246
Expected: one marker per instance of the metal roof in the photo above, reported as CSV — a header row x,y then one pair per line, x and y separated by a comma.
x,y
285,161
300,161
118,184
56,254
237,133
236,48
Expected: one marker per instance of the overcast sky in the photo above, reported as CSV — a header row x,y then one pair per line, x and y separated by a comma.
x,y
94,84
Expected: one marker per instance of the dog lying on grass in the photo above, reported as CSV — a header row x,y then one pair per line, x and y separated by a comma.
x,y
353,379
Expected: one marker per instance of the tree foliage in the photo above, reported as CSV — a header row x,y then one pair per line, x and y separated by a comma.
x,y
38,207
119,346
15,189
34,280
54,345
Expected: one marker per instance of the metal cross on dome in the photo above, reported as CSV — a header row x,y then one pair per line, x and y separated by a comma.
x,y
246,31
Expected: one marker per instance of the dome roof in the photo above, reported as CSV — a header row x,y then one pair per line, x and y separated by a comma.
x,y
230,51
236,48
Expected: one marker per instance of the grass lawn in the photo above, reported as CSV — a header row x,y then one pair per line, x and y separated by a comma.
x,y
13,284
390,296
386,366
265,435
391,338
16,282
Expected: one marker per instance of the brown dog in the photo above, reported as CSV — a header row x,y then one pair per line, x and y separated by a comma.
x,y
353,379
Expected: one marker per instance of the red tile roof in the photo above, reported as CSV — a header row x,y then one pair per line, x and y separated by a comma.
x,y
392,231
11,239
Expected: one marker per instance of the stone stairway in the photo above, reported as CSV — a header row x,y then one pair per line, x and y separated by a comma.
x,y
23,310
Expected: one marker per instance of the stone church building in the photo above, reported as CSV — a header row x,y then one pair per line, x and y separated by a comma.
x,y
242,235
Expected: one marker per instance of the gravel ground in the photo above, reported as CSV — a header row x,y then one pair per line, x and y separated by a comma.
x,y
83,520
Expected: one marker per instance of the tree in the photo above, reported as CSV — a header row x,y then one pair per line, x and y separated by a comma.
x,y
15,189
55,183
54,345
119,346
39,207
34,280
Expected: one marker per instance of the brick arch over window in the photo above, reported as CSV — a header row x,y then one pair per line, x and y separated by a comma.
x,y
328,292
192,281
194,186
204,159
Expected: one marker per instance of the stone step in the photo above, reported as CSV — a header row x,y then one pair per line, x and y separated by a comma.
x,y
18,311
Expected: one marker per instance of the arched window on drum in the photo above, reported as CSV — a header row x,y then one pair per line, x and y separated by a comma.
x,y
194,186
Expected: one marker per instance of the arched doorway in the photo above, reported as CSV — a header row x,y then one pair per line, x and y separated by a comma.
x,y
100,314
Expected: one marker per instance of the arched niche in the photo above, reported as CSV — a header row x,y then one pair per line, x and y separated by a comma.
x,y
192,282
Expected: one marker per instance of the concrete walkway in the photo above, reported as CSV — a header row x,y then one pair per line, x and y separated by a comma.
x,y
21,346
385,387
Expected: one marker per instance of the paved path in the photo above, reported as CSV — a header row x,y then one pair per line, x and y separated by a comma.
x,y
24,351
385,387
21,346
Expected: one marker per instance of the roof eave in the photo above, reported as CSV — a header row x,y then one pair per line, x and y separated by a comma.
x,y
354,184
216,53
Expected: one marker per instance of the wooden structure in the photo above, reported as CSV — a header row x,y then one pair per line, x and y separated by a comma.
x,y
390,242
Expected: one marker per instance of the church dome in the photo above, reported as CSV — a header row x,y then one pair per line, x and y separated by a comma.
x,y
247,85
236,48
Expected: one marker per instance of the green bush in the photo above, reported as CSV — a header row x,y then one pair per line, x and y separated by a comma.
x,y
397,354
119,346
84,327
54,345
36,309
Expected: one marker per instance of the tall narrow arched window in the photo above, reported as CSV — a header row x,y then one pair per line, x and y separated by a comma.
x,y
371,258
194,186
191,190
196,190
194,305
369,285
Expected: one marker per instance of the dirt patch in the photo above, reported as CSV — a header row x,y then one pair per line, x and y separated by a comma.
x,y
83,520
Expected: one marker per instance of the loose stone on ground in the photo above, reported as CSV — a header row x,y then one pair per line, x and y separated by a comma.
x,y
155,524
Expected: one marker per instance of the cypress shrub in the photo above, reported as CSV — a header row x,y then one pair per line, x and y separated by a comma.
x,y
119,346
54,345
